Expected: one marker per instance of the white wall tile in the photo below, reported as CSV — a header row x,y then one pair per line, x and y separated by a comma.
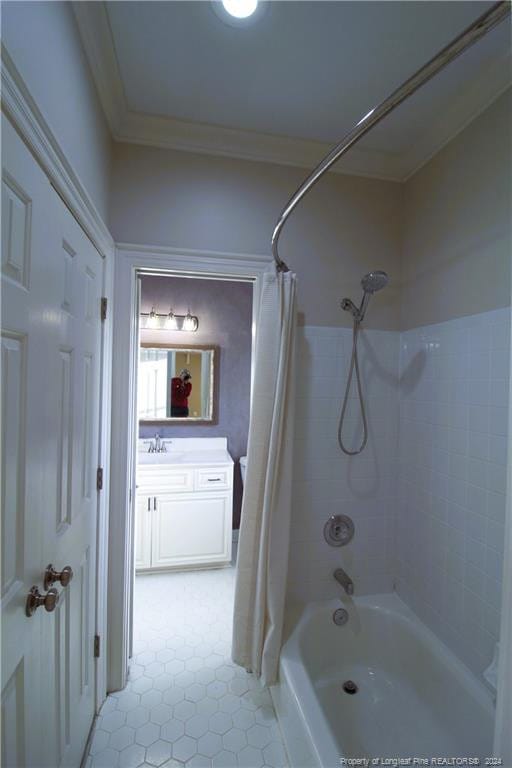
x,y
428,494
326,481
466,491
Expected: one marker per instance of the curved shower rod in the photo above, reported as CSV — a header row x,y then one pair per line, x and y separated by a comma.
x,y
471,35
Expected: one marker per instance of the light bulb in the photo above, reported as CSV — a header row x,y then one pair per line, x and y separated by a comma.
x,y
189,323
170,322
152,319
240,9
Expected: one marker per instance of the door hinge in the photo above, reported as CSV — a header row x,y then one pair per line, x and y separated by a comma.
x,y
103,311
96,646
99,479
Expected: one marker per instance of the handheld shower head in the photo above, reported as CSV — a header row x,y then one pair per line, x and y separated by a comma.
x,y
374,281
371,283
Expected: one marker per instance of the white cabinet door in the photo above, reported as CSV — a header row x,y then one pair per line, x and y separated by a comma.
x,y
143,513
51,290
191,530
26,396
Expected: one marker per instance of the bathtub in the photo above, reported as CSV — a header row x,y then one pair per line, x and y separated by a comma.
x,y
415,699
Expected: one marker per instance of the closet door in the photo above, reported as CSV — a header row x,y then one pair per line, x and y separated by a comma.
x,y
51,346
72,461
27,207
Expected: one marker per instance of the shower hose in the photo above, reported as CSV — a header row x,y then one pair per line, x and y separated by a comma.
x,y
354,365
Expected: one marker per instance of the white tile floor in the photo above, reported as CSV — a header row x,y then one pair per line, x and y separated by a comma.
x,y
186,703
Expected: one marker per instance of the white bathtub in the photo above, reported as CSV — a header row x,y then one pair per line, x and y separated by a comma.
x,y
415,698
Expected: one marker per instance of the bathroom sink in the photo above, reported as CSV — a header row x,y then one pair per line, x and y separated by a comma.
x,y
166,457
186,451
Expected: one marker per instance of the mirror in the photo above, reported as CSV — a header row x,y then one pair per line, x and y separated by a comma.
x,y
177,383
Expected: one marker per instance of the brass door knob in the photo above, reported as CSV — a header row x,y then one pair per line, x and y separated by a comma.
x,y
36,599
51,576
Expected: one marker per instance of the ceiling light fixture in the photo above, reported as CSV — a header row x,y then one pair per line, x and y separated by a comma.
x,y
240,9
239,13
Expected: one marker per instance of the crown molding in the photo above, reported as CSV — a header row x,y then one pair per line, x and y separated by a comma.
x,y
19,106
132,127
465,107
97,40
169,133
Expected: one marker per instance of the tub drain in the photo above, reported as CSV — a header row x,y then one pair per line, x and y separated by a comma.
x,y
350,687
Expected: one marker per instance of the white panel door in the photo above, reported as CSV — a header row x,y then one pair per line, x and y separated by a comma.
x,y
190,529
72,464
51,286
26,210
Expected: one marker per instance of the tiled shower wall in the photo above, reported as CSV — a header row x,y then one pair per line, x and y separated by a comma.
x,y
326,481
428,494
453,453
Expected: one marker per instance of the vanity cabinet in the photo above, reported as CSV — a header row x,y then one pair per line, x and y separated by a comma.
x,y
183,515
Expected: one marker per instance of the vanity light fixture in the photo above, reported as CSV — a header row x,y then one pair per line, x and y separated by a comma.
x,y
169,322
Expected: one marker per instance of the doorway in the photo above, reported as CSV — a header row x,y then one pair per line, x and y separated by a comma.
x,y
183,692
194,365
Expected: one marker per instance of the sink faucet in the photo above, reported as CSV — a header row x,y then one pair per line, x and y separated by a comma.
x,y
157,445
345,580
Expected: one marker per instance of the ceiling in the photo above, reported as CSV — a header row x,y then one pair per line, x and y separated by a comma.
x,y
292,83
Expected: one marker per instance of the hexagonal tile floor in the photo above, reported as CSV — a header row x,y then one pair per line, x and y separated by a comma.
x,y
186,702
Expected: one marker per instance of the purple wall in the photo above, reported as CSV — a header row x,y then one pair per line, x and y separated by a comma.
x,y
224,310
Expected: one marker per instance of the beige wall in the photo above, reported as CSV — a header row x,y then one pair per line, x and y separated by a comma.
x,y
444,236
457,224
42,39
347,225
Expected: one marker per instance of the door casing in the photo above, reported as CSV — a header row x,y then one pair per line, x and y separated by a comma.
x,y
131,261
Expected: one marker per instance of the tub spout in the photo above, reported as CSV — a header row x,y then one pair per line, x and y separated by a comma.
x,y
345,580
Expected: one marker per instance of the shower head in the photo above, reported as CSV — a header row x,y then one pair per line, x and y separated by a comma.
x,y
374,281
371,283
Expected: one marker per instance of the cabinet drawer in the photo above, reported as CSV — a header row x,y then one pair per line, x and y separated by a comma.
x,y
213,479
158,480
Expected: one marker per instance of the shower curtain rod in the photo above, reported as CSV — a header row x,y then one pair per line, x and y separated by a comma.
x,y
471,35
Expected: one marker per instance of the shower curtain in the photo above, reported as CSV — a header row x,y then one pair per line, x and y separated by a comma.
x,y
266,509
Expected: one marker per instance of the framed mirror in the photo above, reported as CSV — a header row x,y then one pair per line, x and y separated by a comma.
x,y
177,384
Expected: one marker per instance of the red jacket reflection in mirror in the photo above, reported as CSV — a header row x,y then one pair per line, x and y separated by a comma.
x,y
180,391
